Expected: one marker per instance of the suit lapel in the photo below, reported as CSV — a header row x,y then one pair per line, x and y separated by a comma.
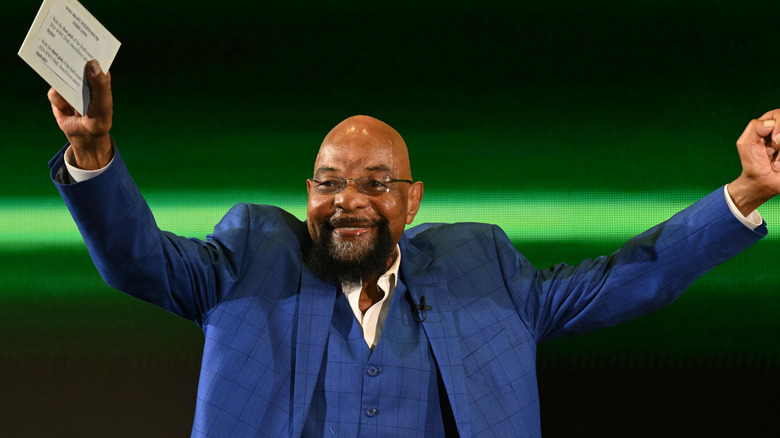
x,y
424,279
317,299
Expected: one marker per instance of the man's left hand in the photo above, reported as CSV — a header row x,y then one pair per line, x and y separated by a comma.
x,y
758,150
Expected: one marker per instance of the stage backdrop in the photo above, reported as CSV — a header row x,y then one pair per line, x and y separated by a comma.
x,y
572,125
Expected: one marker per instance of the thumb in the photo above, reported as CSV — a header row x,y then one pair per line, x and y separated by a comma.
x,y
770,120
101,101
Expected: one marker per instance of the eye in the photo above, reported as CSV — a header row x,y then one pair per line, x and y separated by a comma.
x,y
329,186
329,183
374,187
375,184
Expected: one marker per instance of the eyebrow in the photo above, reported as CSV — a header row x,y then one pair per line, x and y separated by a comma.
x,y
379,168
324,169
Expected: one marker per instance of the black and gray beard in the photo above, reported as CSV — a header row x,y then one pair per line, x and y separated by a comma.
x,y
351,261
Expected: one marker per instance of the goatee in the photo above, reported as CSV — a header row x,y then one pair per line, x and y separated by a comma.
x,y
349,261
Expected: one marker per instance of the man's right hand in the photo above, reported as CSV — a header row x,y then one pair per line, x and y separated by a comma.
x,y
88,134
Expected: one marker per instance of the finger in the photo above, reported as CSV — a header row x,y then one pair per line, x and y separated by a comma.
x,y
763,128
772,119
101,104
769,149
755,133
59,103
775,132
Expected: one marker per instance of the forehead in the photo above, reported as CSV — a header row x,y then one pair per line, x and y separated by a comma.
x,y
353,158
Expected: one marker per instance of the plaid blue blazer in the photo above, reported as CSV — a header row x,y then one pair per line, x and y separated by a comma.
x,y
265,316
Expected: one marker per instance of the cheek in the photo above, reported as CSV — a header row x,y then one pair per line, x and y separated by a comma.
x,y
388,208
316,212
394,210
317,208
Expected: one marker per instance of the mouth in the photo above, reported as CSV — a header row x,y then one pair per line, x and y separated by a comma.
x,y
351,232
351,228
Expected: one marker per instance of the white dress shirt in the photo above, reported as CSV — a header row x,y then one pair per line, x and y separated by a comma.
x,y
373,320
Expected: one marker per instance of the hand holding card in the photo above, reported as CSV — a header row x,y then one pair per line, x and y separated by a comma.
x,y
88,134
63,37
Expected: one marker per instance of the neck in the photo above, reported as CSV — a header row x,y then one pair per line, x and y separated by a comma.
x,y
370,294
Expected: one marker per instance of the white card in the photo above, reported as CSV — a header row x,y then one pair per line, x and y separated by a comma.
x,y
62,38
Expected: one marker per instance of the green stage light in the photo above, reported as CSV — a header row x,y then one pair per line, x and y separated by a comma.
x,y
541,216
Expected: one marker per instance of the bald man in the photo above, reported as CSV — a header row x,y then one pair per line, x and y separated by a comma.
x,y
348,324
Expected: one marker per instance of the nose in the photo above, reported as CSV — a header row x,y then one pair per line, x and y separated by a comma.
x,y
350,198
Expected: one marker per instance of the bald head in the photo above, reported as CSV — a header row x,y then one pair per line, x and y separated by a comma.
x,y
363,138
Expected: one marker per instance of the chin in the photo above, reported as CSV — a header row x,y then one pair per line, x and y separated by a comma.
x,y
337,259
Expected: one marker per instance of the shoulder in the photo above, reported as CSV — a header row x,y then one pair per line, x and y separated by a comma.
x,y
436,238
461,230
263,215
255,220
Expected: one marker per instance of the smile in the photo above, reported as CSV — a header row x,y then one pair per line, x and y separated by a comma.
x,y
351,232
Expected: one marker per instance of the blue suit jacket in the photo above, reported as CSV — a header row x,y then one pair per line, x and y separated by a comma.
x,y
266,316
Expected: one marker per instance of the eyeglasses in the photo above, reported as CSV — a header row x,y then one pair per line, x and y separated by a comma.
x,y
367,186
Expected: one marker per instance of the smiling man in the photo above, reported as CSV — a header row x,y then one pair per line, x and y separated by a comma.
x,y
356,223
348,324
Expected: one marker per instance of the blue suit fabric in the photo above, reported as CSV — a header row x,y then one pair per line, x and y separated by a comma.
x,y
270,331
394,388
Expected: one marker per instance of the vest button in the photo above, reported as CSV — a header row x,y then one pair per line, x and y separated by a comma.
x,y
371,412
373,371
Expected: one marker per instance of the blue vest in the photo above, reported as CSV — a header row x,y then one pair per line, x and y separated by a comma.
x,y
392,391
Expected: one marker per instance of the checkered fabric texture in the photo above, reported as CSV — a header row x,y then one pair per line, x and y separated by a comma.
x,y
268,320
390,392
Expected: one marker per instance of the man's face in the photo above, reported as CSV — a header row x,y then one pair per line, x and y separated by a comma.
x,y
350,223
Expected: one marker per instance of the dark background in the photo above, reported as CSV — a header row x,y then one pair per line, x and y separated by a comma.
x,y
576,101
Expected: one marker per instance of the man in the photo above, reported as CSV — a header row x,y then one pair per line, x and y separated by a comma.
x,y
348,325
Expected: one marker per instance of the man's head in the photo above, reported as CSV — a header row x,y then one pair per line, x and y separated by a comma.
x,y
354,232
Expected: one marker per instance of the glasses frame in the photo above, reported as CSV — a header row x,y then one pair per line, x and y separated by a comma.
x,y
345,181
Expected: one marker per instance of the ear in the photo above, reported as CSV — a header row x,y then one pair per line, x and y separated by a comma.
x,y
414,198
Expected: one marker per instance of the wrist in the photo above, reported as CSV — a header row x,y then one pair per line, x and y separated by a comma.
x,y
747,194
96,155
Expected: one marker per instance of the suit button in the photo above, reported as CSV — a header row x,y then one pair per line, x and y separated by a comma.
x,y
373,371
371,412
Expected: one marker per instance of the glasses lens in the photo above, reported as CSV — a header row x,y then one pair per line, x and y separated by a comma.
x,y
371,186
329,186
368,186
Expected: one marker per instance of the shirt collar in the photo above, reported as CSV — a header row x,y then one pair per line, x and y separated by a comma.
x,y
388,280
386,283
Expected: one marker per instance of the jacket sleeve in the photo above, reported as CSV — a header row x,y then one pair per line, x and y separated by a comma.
x,y
184,276
649,271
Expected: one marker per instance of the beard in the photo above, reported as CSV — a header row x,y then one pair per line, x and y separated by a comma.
x,y
349,261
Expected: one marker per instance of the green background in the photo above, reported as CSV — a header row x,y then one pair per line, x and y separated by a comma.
x,y
573,125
